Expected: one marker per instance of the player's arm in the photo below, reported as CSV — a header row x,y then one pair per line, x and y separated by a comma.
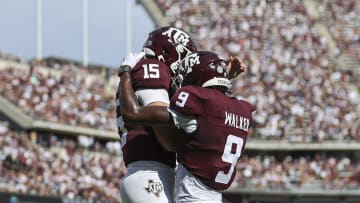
x,y
167,136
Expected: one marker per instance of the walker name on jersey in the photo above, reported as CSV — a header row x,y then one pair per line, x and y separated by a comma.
x,y
237,121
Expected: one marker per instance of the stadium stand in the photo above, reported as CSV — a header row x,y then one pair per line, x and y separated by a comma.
x,y
53,166
289,61
35,163
341,18
307,132
66,96
302,172
302,91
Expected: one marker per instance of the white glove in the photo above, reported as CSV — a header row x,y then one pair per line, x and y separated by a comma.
x,y
131,59
187,123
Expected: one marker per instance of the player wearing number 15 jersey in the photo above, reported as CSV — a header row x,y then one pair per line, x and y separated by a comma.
x,y
150,174
215,129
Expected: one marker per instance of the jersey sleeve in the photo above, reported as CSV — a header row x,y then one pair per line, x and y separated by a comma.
x,y
188,102
147,96
151,81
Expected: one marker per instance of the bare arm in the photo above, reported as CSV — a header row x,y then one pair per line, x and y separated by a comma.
x,y
167,136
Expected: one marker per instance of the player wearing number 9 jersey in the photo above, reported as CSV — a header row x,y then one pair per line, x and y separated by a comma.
x,y
215,127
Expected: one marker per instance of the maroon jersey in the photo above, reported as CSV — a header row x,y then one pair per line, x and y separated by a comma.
x,y
212,151
139,142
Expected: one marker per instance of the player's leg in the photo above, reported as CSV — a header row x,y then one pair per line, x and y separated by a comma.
x,y
190,189
148,182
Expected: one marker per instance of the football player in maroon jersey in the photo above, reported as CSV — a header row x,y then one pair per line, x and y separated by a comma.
x,y
150,168
214,127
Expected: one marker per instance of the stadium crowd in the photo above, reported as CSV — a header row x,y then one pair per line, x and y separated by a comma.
x,y
48,165
65,169
300,96
61,63
320,171
299,93
342,19
64,97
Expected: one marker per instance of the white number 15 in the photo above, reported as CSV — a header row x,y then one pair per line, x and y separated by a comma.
x,y
151,71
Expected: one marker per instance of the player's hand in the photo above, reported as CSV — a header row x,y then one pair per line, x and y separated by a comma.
x,y
131,59
235,67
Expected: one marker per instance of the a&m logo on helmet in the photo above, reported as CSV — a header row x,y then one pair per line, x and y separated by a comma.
x,y
177,36
189,62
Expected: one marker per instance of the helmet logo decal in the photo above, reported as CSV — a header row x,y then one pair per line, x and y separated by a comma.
x,y
220,68
177,36
190,61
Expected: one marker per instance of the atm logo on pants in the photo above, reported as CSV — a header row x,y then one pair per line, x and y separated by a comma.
x,y
154,187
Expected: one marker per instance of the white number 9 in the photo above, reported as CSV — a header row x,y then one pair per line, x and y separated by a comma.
x,y
182,98
229,157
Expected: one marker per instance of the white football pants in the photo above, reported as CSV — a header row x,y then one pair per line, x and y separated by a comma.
x,y
191,189
148,182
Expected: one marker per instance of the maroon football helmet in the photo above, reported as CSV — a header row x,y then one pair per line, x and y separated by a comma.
x,y
170,45
204,69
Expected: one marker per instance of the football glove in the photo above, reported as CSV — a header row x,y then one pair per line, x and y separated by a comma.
x,y
131,59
